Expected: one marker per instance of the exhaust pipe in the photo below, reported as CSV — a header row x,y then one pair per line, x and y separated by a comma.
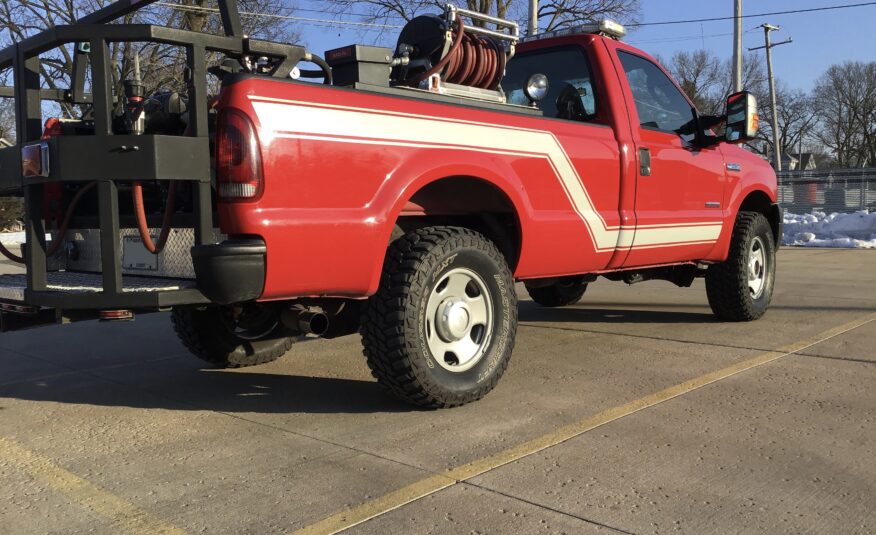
x,y
306,320
313,322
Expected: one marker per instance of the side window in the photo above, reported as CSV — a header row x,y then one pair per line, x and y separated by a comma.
x,y
658,101
570,94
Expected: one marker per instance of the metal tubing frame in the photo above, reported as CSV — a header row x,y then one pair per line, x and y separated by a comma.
x,y
475,15
23,57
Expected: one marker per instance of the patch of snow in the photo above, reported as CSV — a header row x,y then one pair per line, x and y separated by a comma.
x,y
818,229
12,238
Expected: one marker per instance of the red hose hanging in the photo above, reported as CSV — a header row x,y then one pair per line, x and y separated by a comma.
x,y
10,255
143,225
62,230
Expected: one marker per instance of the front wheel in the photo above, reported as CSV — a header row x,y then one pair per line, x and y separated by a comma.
x,y
440,330
741,287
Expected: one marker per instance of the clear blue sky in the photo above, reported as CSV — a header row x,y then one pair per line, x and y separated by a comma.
x,y
820,39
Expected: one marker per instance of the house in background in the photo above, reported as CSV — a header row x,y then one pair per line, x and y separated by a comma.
x,y
797,161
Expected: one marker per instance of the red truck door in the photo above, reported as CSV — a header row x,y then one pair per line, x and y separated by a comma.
x,y
679,188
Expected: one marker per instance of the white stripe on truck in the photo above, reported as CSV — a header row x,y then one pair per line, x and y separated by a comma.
x,y
307,120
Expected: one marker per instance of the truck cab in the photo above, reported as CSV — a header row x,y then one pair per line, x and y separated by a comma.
x,y
672,183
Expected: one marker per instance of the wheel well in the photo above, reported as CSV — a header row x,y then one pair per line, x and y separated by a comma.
x,y
465,202
758,201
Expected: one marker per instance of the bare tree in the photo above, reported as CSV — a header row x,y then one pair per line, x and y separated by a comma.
x,y
699,73
161,65
846,101
7,115
707,79
558,14
553,14
796,116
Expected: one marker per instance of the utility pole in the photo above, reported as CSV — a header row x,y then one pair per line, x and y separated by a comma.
x,y
533,18
768,45
737,46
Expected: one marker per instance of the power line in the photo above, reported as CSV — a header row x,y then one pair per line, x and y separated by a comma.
x,y
330,22
212,10
791,12
311,10
679,38
684,38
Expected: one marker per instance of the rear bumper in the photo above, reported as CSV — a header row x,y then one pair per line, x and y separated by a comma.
x,y
232,271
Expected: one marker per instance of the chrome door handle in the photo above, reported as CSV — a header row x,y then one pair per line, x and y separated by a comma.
x,y
645,161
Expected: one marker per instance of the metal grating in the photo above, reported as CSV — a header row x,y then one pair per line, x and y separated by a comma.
x,y
12,286
828,190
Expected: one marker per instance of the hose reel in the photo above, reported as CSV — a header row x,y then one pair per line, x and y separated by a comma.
x,y
443,49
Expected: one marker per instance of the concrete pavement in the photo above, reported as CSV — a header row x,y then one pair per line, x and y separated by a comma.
x,y
113,427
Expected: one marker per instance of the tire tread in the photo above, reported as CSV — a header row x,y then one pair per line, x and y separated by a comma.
x,y
204,342
726,283
385,315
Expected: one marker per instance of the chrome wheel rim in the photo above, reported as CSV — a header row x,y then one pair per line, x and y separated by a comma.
x,y
756,268
459,316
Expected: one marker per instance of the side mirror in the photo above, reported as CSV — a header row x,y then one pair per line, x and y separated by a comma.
x,y
536,88
742,120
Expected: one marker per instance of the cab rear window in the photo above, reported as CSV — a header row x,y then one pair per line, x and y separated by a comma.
x,y
571,93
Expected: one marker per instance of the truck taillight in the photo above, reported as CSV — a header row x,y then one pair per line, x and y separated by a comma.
x,y
238,157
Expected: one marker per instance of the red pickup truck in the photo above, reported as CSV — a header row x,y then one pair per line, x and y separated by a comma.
x,y
405,197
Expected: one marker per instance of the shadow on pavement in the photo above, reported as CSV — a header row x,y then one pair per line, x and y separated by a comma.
x,y
597,312
584,313
180,387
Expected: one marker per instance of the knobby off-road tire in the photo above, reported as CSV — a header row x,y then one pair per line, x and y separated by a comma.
x,y
560,294
440,330
740,288
232,336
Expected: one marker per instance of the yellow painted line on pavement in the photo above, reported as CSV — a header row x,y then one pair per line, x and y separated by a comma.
x,y
384,504
125,516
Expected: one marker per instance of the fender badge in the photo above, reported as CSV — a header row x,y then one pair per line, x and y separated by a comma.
x,y
734,167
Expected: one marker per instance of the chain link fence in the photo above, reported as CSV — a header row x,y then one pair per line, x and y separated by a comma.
x,y
828,190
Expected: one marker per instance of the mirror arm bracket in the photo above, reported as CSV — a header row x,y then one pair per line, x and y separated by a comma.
x,y
701,123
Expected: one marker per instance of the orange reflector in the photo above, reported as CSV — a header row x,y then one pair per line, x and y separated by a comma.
x,y
108,315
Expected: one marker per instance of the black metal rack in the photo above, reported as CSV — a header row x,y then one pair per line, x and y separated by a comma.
x,y
108,158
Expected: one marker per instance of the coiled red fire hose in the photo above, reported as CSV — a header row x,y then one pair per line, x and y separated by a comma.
x,y
472,61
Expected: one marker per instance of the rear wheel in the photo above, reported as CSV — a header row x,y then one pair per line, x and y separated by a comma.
x,y
440,330
233,336
741,288
562,293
